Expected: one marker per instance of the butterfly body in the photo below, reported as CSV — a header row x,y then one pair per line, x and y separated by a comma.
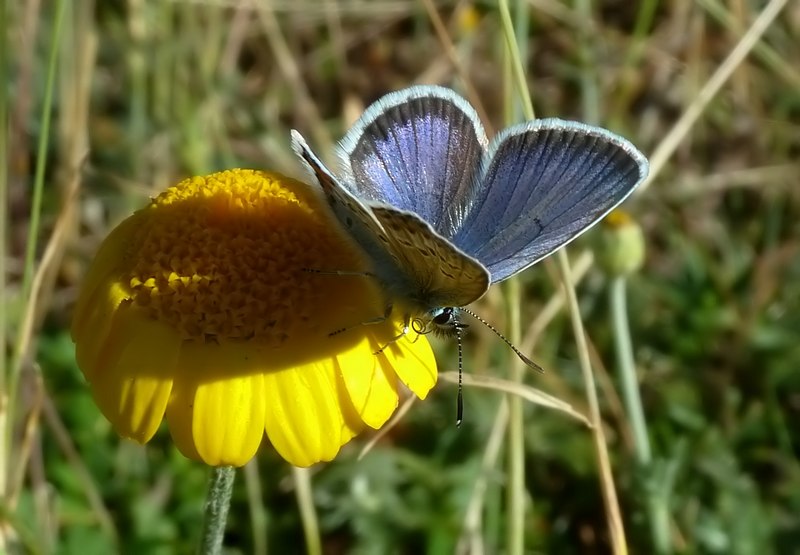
x,y
441,212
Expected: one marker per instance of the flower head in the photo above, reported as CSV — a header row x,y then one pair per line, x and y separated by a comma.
x,y
201,307
620,244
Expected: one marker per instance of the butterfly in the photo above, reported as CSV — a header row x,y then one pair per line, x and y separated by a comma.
x,y
442,213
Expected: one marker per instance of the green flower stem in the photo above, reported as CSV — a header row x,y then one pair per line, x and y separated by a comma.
x,y
218,501
658,513
259,517
627,370
302,486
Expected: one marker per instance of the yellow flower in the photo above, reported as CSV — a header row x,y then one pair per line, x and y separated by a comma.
x,y
199,307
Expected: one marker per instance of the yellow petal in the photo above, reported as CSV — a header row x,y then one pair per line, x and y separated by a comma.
x,y
412,359
371,383
306,417
91,331
180,415
133,377
109,263
217,410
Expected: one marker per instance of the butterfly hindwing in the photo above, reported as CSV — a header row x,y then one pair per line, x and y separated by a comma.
x,y
440,274
543,183
418,150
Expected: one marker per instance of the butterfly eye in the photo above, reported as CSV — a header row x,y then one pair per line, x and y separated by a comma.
x,y
445,318
445,322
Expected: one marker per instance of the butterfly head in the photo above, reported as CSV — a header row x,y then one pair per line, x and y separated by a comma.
x,y
442,321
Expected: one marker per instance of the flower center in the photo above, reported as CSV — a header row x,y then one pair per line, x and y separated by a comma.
x,y
226,255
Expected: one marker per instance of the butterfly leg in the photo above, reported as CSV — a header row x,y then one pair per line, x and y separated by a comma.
x,y
370,322
403,333
378,320
339,272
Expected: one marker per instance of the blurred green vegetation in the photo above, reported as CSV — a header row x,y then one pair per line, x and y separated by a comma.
x,y
147,93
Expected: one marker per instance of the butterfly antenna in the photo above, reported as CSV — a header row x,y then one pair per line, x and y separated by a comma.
x,y
517,352
460,398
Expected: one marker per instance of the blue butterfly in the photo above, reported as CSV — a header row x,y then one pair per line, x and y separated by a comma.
x,y
442,213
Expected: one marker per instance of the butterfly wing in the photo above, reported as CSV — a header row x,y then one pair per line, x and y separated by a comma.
x,y
543,183
443,275
419,150
415,264
356,218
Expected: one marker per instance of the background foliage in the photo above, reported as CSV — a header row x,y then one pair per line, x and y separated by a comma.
x,y
146,93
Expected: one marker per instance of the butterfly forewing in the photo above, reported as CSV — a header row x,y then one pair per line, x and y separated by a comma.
x,y
414,263
542,184
356,218
418,150
439,274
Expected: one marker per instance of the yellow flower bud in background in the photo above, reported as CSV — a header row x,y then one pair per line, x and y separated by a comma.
x,y
468,20
619,244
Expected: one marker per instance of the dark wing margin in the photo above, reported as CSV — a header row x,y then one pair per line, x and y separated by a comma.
x,y
419,150
543,183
